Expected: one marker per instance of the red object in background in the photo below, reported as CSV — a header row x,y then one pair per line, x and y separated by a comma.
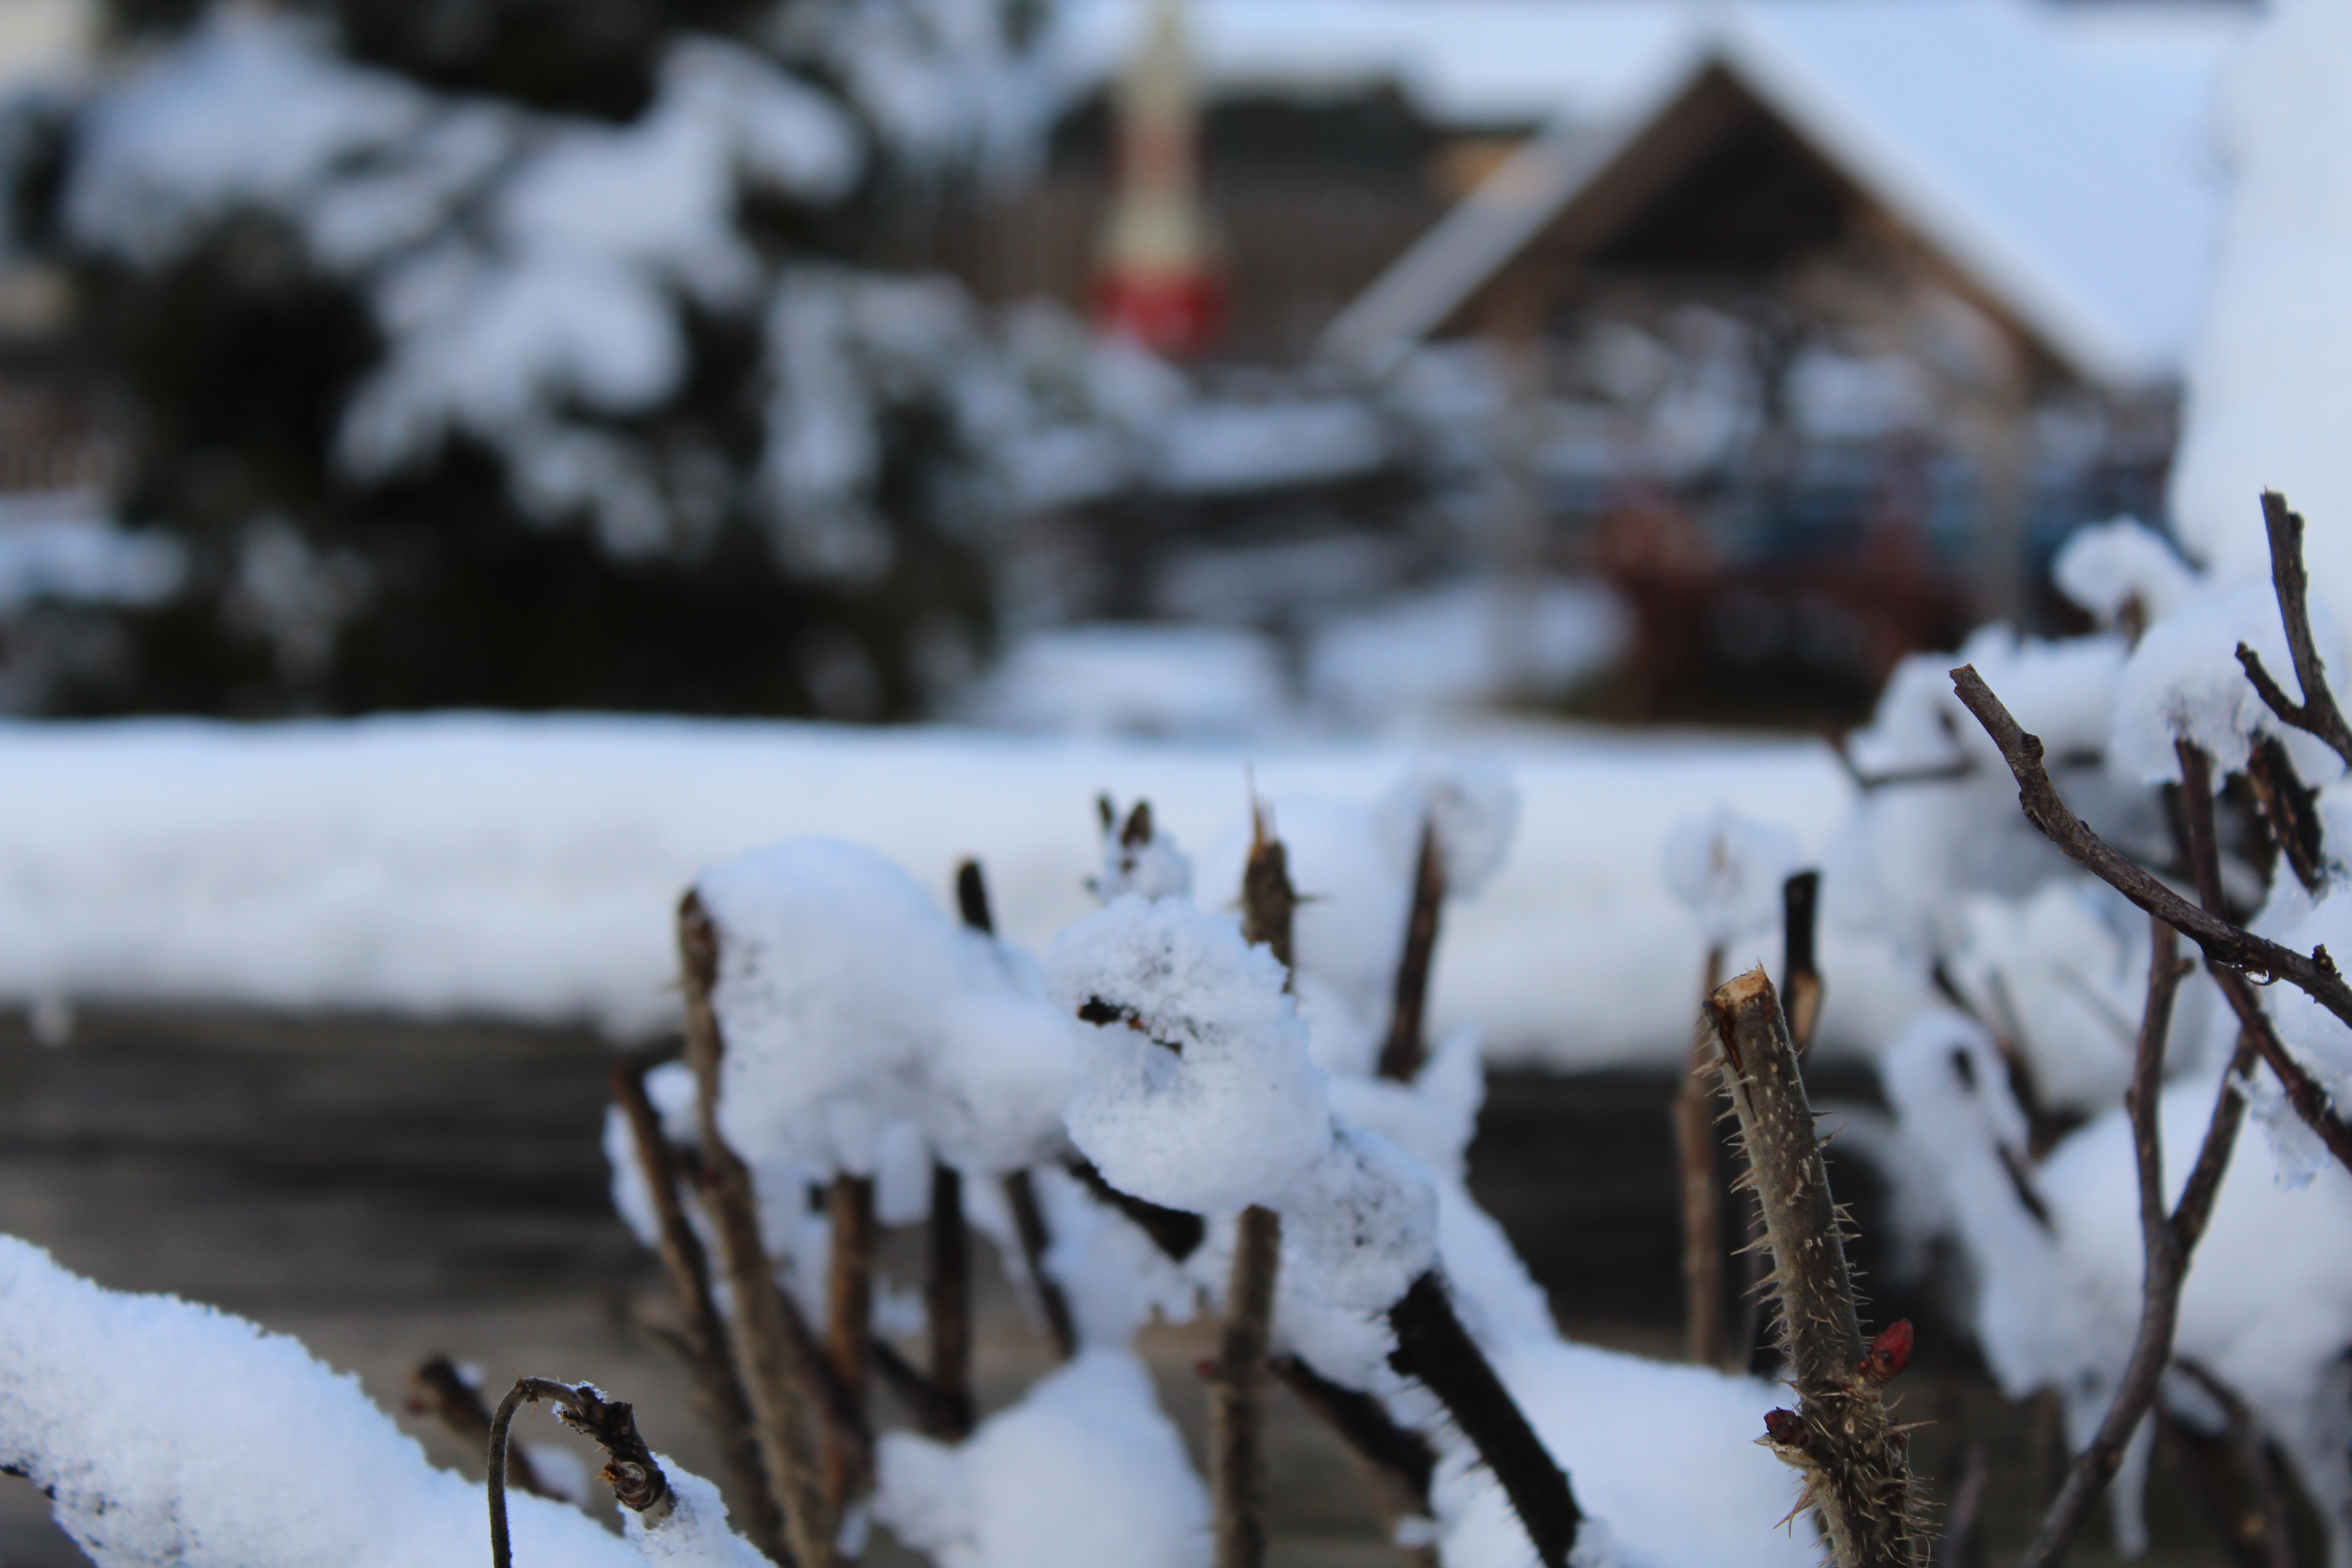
x,y
1156,283
1174,315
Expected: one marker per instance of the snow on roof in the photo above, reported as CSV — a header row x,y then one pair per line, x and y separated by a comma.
x,y
1458,61
2060,162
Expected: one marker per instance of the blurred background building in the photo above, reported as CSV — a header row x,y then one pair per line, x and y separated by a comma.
x,y
1221,366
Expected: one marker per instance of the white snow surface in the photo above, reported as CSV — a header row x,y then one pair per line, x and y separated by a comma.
x,y
2105,566
2184,680
169,1433
530,868
2265,405
1085,1470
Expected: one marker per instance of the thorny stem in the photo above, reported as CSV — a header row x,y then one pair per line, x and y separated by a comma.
x,y
849,1325
630,1468
1407,1045
780,1375
1801,992
703,1334
2222,942
444,1391
1237,1385
1433,1346
1856,1462
2317,714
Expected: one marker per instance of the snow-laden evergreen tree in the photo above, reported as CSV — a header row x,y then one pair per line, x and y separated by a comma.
x,y
542,352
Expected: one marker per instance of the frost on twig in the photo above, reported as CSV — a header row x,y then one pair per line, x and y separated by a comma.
x,y
1854,1459
2317,714
780,1378
2231,952
630,1468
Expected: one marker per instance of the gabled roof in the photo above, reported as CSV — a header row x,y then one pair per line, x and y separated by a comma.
x,y
2061,168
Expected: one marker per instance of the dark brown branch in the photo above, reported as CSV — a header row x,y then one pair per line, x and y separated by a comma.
x,y
971,898
2165,1241
1401,1457
1237,1392
2316,713
1237,1379
1963,1518
2290,809
1029,1226
1407,1045
849,1329
947,1309
1700,1184
630,1468
1433,1346
702,1334
1800,976
2270,1521
2221,941
1176,1231
1856,1462
439,1389
780,1375
914,1389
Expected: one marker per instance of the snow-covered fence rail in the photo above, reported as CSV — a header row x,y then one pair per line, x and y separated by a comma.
x,y
522,867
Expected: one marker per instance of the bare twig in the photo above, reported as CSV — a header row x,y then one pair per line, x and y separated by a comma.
x,y
702,1335
1700,1182
2165,1241
2316,713
1396,1461
440,1389
1433,1345
1176,1231
948,1308
2222,942
1800,976
1029,1226
2271,1523
630,1468
1236,1383
1854,1460
2290,807
1407,1045
1960,1548
849,1326
780,1375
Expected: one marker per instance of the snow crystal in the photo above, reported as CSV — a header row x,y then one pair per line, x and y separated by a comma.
x,y
2184,680
1197,1093
1005,1063
168,1433
1084,1471
1472,808
1730,871
1359,1226
2105,567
